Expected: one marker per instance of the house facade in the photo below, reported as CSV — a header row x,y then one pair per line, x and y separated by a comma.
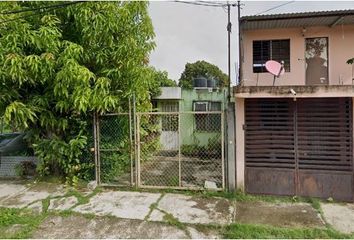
x,y
197,128
294,133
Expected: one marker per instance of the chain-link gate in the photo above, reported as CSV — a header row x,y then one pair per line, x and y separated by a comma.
x,y
115,149
180,150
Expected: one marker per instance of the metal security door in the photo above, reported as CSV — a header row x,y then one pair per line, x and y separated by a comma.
x,y
301,147
270,146
325,148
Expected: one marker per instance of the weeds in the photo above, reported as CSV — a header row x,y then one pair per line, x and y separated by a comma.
x,y
261,231
24,220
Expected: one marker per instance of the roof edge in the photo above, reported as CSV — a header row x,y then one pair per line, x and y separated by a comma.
x,y
313,14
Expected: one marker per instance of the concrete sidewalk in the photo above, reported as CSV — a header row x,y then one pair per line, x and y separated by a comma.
x,y
159,215
122,204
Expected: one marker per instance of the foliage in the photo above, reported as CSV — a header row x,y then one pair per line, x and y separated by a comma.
x,y
150,132
214,145
260,231
57,67
24,218
114,136
212,149
204,69
161,79
25,169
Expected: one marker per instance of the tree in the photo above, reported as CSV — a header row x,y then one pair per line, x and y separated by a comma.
x,y
161,79
60,64
204,69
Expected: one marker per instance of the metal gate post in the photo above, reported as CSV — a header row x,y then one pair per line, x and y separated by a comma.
x,y
131,144
222,150
138,148
179,151
95,146
96,135
135,142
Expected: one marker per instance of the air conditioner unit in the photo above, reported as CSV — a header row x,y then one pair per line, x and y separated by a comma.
x,y
200,106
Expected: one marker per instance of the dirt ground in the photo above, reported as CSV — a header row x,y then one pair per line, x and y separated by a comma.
x,y
279,214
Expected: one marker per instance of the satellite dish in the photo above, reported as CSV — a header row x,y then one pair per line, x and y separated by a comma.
x,y
275,68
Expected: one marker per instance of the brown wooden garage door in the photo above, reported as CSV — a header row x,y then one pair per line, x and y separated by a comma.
x,y
301,147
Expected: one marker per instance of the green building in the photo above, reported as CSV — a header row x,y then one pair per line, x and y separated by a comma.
x,y
199,110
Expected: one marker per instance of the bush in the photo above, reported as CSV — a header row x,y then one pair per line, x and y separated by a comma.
x,y
25,169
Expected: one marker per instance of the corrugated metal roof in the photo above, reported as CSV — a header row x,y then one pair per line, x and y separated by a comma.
x,y
303,19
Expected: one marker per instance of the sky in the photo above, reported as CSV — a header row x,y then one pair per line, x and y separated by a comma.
x,y
187,33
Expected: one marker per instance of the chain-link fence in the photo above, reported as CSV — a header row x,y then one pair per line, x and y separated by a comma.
x,y
115,149
180,150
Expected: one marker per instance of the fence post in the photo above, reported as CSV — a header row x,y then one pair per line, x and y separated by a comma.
x,y
131,144
179,151
96,148
222,150
138,148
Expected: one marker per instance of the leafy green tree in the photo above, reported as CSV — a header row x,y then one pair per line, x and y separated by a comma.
x,y
59,65
203,69
161,79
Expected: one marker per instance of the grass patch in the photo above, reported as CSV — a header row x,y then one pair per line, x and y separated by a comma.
x,y
45,204
24,220
260,231
153,206
170,219
68,213
315,203
80,197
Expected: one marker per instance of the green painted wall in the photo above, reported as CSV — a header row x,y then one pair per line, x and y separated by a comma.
x,y
189,134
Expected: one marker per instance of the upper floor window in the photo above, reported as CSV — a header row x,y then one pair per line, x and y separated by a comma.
x,y
264,50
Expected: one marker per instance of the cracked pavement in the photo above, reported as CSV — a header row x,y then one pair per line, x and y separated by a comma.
x,y
132,214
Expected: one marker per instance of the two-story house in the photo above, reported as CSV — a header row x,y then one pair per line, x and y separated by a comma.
x,y
296,137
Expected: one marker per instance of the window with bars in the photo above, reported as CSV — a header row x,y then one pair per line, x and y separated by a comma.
x,y
207,122
264,50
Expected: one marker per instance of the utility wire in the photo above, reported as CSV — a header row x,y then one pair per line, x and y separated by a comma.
x,y
200,3
40,8
207,3
38,13
211,3
270,9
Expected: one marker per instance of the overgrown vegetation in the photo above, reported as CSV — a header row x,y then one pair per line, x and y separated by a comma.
x,y
261,232
18,223
61,64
